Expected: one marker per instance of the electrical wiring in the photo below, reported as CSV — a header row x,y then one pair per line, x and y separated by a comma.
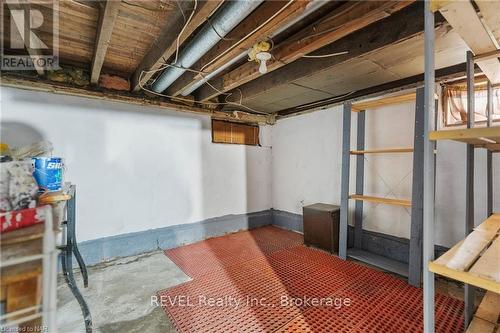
x,y
180,33
323,32
247,35
182,30
162,8
325,55
189,100
333,99
201,72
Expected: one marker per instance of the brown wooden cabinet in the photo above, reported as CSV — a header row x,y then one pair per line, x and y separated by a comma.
x,y
321,226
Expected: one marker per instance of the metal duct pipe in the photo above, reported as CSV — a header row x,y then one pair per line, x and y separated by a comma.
x,y
311,7
223,21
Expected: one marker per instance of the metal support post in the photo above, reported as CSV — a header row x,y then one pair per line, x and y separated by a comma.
x,y
344,187
360,175
429,167
417,197
489,155
469,290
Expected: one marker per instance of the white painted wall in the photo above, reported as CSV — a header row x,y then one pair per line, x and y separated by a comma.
x,y
139,168
306,166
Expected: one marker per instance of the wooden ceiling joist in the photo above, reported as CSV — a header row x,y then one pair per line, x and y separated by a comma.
x,y
350,17
105,30
362,42
443,74
238,116
266,19
463,18
166,43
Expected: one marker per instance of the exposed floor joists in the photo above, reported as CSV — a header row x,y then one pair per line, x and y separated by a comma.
x,y
348,18
391,63
369,39
443,74
383,40
166,43
266,19
107,20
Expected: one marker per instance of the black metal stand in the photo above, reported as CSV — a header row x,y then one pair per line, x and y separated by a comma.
x,y
67,251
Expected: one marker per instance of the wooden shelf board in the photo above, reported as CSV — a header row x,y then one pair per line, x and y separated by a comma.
x,y
376,260
465,277
475,259
479,325
485,137
492,223
382,151
376,103
386,201
487,314
489,309
494,147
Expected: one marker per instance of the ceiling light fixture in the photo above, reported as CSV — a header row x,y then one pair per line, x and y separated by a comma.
x,y
263,57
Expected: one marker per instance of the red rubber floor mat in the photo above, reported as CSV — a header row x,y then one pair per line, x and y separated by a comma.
x,y
264,280
219,252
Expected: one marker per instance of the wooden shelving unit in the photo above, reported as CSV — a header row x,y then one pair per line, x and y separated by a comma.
x,y
383,151
474,260
485,319
385,201
376,103
412,269
480,137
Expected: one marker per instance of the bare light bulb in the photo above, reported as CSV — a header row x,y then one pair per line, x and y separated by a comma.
x,y
263,57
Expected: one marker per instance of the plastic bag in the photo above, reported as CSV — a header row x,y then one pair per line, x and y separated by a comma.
x,y
41,148
19,188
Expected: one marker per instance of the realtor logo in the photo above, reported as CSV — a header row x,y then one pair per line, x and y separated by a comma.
x,y
30,36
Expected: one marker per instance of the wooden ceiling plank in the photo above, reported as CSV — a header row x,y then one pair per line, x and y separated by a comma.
x,y
491,15
350,17
443,74
105,30
367,40
34,42
166,43
463,18
266,19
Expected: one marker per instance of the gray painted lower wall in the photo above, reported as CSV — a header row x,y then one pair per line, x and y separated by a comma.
x,y
287,220
105,249
385,245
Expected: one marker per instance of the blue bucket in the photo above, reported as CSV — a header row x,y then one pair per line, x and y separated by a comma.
x,y
48,172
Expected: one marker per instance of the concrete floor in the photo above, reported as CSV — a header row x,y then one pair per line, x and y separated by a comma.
x,y
119,295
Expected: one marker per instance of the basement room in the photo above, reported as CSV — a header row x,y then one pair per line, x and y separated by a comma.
x,y
248,166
